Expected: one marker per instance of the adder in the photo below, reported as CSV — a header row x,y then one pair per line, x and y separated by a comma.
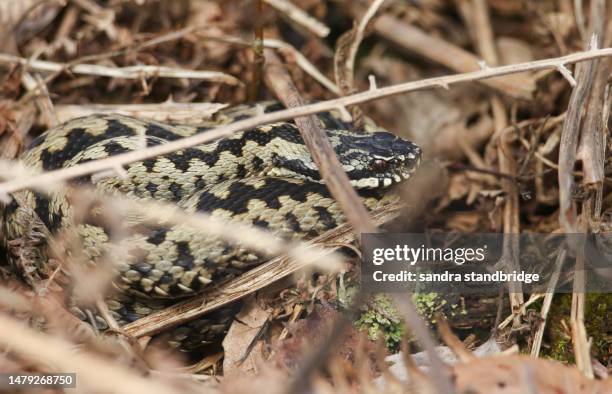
x,y
264,176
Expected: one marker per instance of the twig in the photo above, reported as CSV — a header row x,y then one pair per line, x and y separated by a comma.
x,y
484,33
303,63
344,59
507,163
592,145
171,36
439,371
548,297
43,101
132,72
102,18
580,341
257,49
591,149
175,35
585,73
532,298
169,111
579,15
463,167
300,59
567,74
61,38
449,55
465,10
453,342
320,148
357,38
226,130
298,16
247,283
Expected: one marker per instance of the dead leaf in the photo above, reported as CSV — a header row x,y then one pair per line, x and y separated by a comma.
x,y
241,356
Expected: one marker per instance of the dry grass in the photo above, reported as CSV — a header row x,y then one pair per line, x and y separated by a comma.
x,y
506,129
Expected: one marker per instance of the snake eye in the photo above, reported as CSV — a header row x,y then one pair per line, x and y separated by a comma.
x,y
379,165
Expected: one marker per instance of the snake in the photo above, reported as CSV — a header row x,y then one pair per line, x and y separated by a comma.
x,y
264,176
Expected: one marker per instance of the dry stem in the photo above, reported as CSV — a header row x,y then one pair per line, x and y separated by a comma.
x,y
320,148
439,371
546,303
569,144
507,163
169,111
132,72
298,16
226,130
451,56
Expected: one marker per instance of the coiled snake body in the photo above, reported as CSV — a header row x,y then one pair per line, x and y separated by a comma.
x,y
264,176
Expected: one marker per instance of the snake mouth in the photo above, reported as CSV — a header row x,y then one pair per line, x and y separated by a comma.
x,y
400,169
383,182
408,170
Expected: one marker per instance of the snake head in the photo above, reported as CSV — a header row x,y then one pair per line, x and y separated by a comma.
x,y
371,160
376,160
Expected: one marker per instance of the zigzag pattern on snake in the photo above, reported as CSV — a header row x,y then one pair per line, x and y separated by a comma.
x,y
264,176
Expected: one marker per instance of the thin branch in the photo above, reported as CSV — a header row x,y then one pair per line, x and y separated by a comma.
x,y
580,341
34,83
532,298
321,150
484,32
579,15
226,130
132,72
168,111
439,372
347,46
581,344
506,161
300,59
257,49
357,39
568,147
567,74
298,16
161,39
592,146
548,297
303,63
455,58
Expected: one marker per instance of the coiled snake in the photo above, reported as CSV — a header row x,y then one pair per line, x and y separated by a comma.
x,y
264,176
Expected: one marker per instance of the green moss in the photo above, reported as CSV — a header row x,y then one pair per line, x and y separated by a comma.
x,y
381,318
428,304
598,323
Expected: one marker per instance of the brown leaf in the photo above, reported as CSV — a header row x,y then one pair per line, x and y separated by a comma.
x,y
242,356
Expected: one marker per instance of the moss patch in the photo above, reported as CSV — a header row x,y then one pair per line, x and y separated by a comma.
x,y
598,322
381,318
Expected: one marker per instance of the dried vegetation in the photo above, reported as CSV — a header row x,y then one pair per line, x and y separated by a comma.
x,y
509,149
